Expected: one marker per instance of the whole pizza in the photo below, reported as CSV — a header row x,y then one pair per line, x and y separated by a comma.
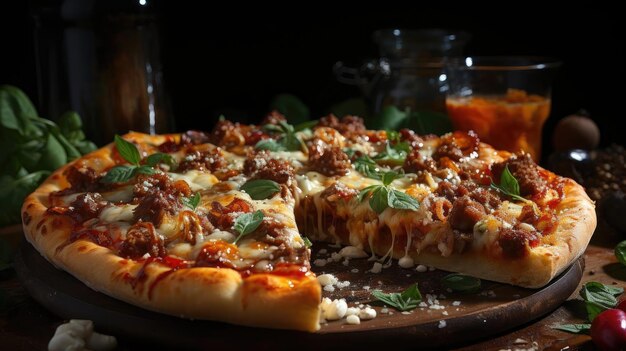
x,y
219,225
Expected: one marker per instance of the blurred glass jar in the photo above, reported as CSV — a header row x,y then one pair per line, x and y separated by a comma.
x,y
410,70
102,59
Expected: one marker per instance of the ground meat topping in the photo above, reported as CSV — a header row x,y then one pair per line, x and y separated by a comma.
x,y
457,145
515,242
416,162
86,206
210,160
81,179
338,191
194,137
157,196
223,217
347,126
260,166
525,170
142,239
465,213
274,117
328,160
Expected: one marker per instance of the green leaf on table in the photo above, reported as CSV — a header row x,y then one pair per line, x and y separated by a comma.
x,y
127,150
582,328
599,297
620,252
404,301
260,189
461,283
247,223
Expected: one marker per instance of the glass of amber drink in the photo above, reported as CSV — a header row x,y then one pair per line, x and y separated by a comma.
x,y
505,100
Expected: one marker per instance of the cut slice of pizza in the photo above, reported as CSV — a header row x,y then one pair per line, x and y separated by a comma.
x,y
174,238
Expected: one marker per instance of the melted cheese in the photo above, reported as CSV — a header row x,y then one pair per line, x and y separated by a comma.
x,y
117,213
197,180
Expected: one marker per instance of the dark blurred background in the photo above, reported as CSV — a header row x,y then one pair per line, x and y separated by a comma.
x,y
234,62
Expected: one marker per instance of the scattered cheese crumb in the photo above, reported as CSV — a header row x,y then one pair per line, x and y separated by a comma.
x,y
335,256
346,262
423,304
78,334
333,309
319,262
406,262
352,311
353,319
322,251
431,269
384,310
442,324
421,268
367,313
354,270
377,268
520,341
445,313
327,279
406,312
456,303
343,284
366,287
352,252
329,288
379,282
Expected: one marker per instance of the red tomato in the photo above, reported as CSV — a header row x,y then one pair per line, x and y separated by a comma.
x,y
608,330
621,305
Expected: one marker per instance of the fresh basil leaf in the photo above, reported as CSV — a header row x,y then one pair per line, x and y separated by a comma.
x,y
286,127
192,202
269,145
145,170
307,242
247,223
599,297
366,191
620,252
260,189
401,201
393,154
461,282
127,150
305,125
119,174
367,167
508,182
378,202
16,109
291,142
158,158
273,128
389,177
392,135
354,107
349,151
390,117
583,328
404,301
291,106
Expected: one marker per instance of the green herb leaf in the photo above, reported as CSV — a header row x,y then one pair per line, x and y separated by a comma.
x,y
620,252
127,150
367,167
145,170
305,125
401,201
389,177
395,154
307,242
291,106
269,145
508,185
583,328
393,136
378,201
405,301
599,297
159,158
120,174
192,202
247,223
260,189
461,282
366,191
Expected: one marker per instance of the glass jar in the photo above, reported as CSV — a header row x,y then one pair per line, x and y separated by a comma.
x,y
409,74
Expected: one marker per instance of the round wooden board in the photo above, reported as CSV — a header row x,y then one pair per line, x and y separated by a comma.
x,y
457,319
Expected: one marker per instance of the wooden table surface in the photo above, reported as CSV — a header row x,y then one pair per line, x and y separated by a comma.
x,y
26,325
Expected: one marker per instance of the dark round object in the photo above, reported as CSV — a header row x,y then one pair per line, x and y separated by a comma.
x,y
621,305
608,330
576,164
576,132
614,209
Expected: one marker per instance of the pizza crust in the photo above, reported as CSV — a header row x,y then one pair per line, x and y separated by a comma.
x,y
219,294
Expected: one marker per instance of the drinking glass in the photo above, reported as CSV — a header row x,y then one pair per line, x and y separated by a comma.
x,y
505,100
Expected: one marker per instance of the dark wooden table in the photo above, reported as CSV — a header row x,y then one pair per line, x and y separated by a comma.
x,y
26,325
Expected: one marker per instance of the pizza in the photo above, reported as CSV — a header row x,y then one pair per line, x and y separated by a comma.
x,y
218,225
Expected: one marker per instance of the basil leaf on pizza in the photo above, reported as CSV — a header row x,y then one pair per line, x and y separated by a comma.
x,y
192,202
260,189
127,150
247,223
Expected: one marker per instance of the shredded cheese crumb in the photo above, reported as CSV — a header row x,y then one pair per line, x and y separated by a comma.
x,y
353,319
442,324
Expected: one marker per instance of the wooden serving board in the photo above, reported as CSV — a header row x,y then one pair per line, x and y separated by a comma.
x,y
467,317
